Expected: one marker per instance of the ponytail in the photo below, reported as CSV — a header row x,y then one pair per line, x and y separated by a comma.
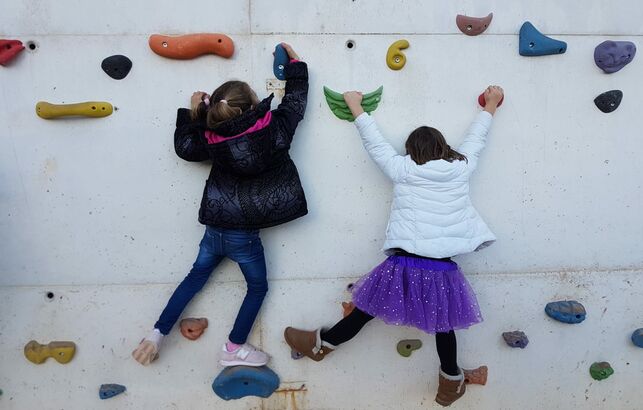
x,y
230,100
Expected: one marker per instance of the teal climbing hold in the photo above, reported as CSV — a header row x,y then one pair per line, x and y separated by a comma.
x,y
107,391
637,337
241,381
566,311
533,43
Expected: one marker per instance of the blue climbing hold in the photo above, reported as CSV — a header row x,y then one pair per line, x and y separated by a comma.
x,y
566,311
533,43
637,337
241,381
107,391
280,62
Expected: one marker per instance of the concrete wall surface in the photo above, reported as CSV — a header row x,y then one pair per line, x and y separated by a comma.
x,y
103,214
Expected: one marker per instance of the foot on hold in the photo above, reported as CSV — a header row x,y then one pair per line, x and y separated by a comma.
x,y
117,66
610,56
308,343
244,355
601,370
566,311
516,339
476,376
533,43
62,352
406,347
609,100
193,328
472,26
338,106
9,49
107,391
637,337
450,388
241,381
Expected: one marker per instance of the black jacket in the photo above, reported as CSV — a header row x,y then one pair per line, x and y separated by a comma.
x,y
253,182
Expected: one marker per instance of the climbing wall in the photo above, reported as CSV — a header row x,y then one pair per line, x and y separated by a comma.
x,y
98,215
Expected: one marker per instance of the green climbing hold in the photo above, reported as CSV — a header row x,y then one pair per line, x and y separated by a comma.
x,y
338,106
406,347
601,370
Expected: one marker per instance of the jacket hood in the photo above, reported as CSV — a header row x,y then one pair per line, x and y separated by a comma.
x,y
237,125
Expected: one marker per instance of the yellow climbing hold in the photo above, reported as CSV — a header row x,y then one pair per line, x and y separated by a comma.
x,y
395,58
85,109
62,352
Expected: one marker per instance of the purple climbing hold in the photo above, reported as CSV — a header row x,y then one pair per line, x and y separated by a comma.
x,y
609,100
516,339
610,56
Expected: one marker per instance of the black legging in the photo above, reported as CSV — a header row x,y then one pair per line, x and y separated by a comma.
x,y
349,326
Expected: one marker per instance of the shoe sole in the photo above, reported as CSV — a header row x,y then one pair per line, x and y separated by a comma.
x,y
230,363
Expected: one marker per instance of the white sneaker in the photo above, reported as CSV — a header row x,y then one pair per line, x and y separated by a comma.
x,y
245,355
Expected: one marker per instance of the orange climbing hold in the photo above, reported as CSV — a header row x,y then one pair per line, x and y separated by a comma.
x,y
192,45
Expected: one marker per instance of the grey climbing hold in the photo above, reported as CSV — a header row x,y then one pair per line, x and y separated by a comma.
x,y
609,100
295,355
566,311
107,391
117,66
241,381
516,339
610,56
637,337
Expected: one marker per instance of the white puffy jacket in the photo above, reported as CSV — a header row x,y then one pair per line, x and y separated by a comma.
x,y
431,213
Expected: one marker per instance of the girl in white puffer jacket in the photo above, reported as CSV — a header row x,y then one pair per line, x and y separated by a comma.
x,y
432,219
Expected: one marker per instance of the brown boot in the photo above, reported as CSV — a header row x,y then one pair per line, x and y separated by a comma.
x,y
308,343
450,389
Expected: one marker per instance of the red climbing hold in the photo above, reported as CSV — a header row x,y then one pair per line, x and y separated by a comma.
x,y
482,101
9,49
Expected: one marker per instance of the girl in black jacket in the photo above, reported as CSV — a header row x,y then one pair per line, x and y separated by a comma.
x,y
253,184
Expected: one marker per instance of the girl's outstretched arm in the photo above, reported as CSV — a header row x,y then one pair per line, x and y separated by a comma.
x,y
293,105
379,149
189,142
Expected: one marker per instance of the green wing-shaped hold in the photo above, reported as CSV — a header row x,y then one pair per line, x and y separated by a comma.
x,y
338,106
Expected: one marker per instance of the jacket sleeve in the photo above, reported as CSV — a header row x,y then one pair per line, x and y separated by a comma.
x,y
390,162
476,138
293,105
188,137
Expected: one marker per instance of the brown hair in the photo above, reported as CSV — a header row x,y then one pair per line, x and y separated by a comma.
x,y
231,99
426,144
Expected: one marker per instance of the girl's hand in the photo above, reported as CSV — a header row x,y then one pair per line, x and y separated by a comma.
x,y
197,98
291,53
354,101
492,96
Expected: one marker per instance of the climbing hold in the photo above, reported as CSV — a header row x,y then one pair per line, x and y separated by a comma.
x,y
533,43
476,376
567,311
85,109
610,56
295,355
472,26
600,370
9,49
241,381
107,391
395,58
338,106
280,61
406,347
192,45
347,308
117,66
483,102
193,328
637,337
62,352
516,339
609,100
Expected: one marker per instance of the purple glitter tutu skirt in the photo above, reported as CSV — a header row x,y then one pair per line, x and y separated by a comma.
x,y
429,294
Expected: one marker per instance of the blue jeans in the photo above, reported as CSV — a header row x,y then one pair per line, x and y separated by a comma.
x,y
243,247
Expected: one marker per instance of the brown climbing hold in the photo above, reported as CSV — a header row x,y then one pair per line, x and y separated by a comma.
x,y
348,308
476,376
193,328
62,352
472,26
